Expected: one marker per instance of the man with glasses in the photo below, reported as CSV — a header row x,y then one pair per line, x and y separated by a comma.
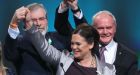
x,y
19,50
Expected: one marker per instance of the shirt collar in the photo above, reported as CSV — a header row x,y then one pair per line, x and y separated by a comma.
x,y
110,45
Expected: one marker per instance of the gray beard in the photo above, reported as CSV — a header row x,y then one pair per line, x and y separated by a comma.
x,y
45,31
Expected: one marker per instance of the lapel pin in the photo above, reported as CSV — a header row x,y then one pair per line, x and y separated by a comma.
x,y
120,53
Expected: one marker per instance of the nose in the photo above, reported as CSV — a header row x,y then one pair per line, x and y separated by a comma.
x,y
37,23
73,47
105,31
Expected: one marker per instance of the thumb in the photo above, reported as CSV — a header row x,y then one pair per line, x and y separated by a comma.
x,y
28,21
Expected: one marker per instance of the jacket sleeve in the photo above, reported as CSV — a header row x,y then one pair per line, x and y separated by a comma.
x,y
46,51
80,21
133,69
11,51
62,24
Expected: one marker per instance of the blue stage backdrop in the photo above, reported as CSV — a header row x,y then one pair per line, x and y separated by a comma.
x,y
127,14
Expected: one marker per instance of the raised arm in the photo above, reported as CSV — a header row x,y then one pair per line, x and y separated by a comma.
x,y
46,51
12,40
61,23
77,12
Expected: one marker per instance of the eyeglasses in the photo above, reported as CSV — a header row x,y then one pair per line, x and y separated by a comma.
x,y
40,19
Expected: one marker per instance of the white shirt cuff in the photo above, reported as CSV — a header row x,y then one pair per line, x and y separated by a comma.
x,y
79,16
13,32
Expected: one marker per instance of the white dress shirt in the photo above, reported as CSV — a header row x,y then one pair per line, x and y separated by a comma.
x,y
110,56
110,52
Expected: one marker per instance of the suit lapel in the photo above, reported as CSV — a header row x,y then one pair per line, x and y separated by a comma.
x,y
119,55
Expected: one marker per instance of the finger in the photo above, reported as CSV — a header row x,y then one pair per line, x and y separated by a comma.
x,y
27,10
69,2
65,1
20,12
21,8
21,17
29,21
28,16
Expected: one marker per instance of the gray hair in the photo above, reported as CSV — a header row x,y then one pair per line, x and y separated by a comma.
x,y
104,11
35,6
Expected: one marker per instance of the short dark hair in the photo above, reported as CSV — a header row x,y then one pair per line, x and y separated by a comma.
x,y
91,35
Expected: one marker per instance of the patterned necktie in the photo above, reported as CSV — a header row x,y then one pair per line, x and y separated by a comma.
x,y
102,57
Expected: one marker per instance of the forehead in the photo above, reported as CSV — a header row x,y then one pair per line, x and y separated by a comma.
x,y
77,37
39,12
104,20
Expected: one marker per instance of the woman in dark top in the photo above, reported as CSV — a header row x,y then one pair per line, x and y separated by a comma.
x,y
83,43
85,58
76,69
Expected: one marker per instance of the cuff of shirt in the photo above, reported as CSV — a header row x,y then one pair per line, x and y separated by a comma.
x,y
13,32
79,16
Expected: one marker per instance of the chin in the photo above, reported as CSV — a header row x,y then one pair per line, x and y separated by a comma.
x,y
76,56
105,41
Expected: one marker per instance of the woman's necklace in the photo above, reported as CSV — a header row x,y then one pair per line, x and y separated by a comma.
x,y
92,64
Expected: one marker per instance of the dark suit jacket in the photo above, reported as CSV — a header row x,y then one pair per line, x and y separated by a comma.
x,y
126,62
25,57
